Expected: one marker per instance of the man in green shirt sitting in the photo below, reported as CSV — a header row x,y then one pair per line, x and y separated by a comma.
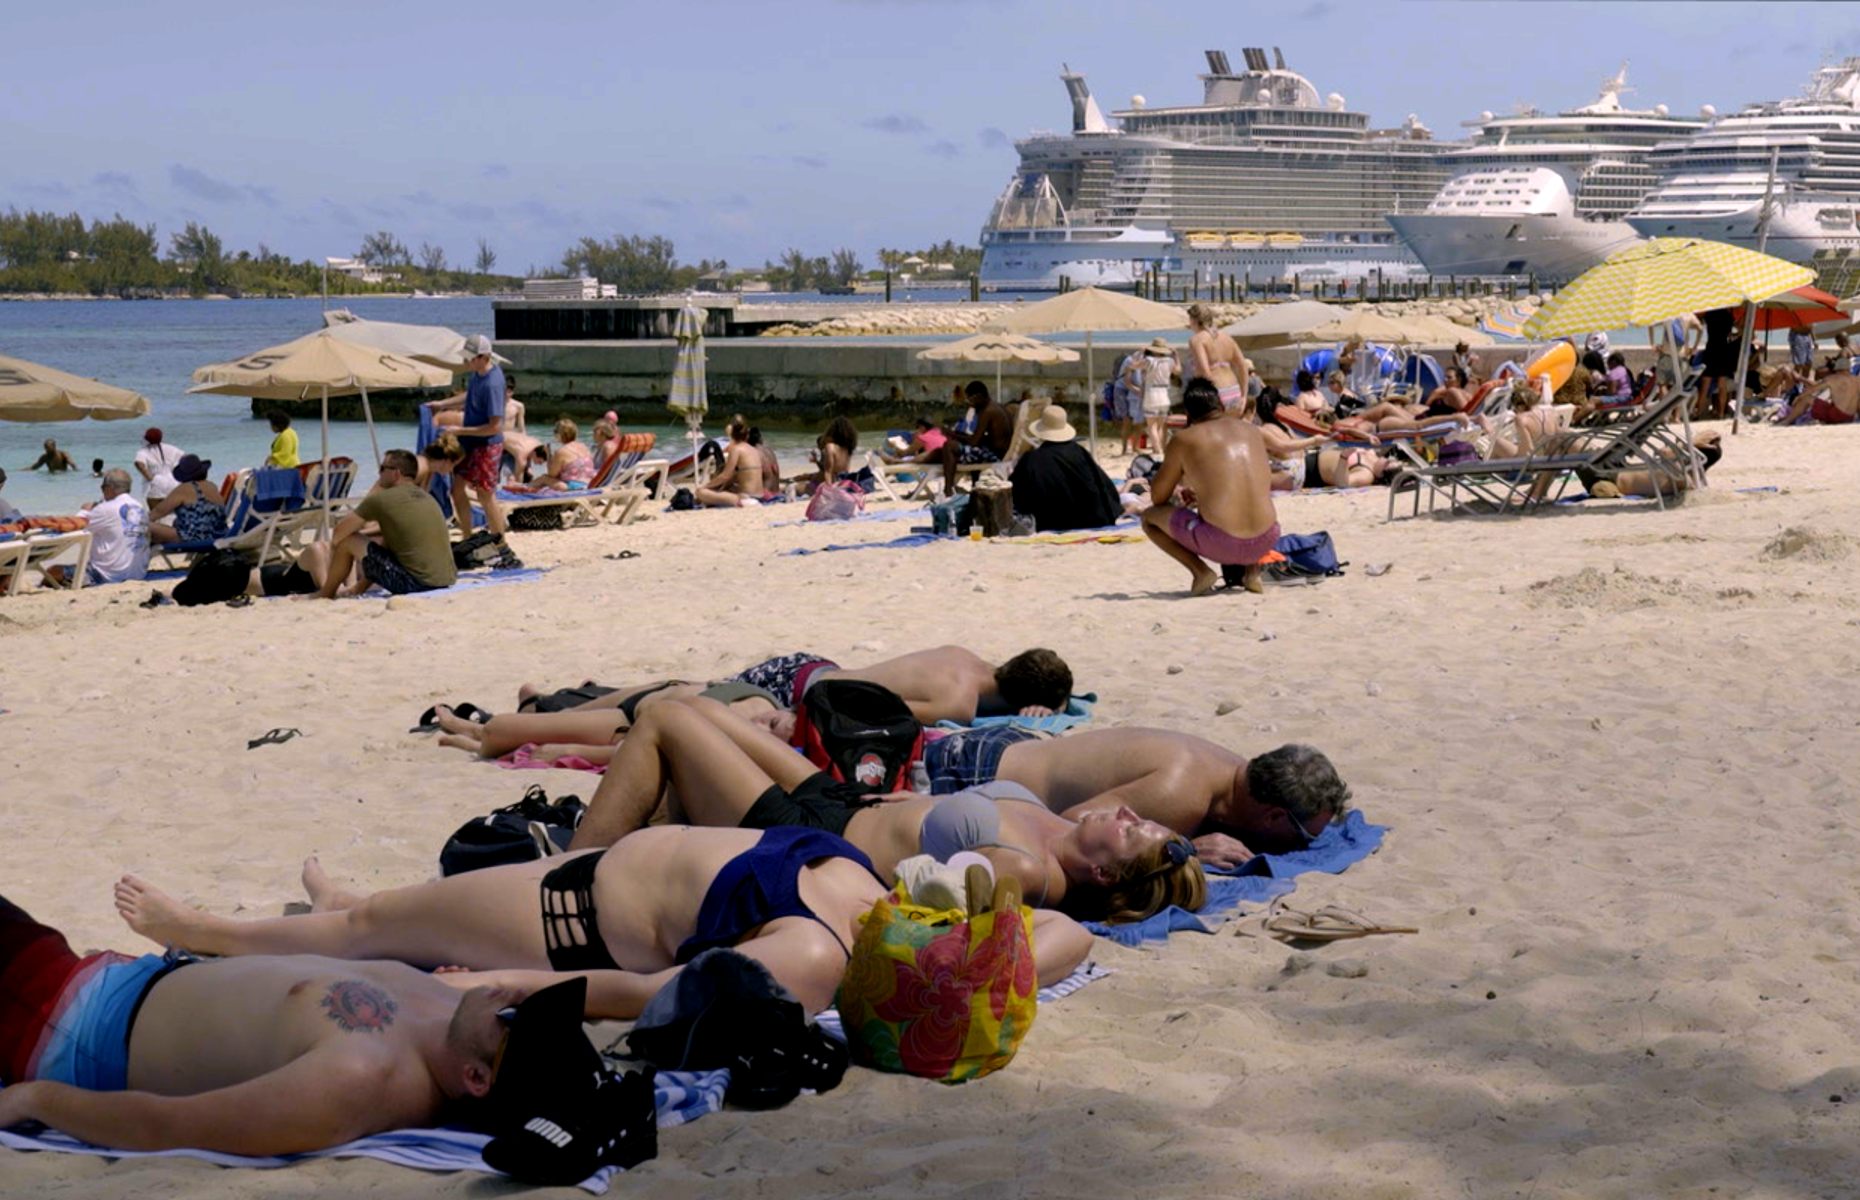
x,y
413,552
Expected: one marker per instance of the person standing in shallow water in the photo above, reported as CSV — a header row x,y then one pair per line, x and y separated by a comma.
x,y
53,459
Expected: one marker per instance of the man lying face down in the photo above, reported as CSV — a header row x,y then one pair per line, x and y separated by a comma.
x,y
259,1056
1232,806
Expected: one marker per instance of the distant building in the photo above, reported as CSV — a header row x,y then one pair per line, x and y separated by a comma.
x,y
358,270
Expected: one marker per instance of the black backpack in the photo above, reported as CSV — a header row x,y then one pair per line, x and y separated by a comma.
x,y
213,577
859,733
509,835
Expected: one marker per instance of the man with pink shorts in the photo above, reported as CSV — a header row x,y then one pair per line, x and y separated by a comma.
x,y
1224,467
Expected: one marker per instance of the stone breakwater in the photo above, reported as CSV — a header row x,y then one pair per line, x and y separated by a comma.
x,y
932,319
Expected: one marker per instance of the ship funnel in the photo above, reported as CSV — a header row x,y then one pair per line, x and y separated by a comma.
x,y
1085,115
1278,58
1255,58
1217,62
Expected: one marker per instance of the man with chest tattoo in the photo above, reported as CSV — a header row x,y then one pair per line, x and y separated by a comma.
x,y
260,1055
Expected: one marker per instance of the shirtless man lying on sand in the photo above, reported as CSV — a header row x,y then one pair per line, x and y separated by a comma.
x,y
1232,806
627,918
1230,519
261,1056
945,683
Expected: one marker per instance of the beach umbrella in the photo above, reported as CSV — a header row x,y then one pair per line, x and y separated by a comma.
x,y
690,395
1088,311
1441,331
998,348
1807,308
319,364
1282,324
31,392
1663,278
1369,326
435,344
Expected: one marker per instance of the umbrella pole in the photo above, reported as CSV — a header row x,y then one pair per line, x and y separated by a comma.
x,y
325,469
1091,399
1743,363
368,414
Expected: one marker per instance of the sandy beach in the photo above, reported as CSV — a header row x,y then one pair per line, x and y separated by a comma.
x,y
1615,748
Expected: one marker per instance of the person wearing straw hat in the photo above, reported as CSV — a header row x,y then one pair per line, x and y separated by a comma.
x,y
1232,521
1058,483
1160,367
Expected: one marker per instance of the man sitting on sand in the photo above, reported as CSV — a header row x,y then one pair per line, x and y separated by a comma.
x,y
1230,520
258,1056
988,442
414,551
740,476
1276,802
1833,401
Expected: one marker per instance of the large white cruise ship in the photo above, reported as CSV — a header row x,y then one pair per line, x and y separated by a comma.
x,y
1712,185
1543,194
1262,181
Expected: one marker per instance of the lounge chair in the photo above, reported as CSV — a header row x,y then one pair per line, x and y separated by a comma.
x,y
1525,483
616,484
13,554
37,551
925,476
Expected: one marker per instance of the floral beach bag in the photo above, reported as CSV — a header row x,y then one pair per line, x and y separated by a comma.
x,y
938,992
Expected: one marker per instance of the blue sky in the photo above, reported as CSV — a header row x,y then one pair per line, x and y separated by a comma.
x,y
741,128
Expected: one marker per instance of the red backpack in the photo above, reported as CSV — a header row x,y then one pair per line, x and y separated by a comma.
x,y
859,733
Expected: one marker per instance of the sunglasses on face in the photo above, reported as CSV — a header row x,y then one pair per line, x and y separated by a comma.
x,y
1304,833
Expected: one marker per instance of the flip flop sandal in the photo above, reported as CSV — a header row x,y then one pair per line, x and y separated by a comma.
x,y
429,720
1332,923
275,737
622,556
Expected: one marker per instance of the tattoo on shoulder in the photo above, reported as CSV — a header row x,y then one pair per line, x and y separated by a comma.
x,y
359,1007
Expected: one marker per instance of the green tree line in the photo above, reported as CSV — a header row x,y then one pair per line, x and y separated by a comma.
x,y
52,252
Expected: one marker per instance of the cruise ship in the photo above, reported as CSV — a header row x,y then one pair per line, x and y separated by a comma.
x,y
1543,194
1263,181
1712,185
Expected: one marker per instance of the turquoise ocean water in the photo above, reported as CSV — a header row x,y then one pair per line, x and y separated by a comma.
x,y
153,347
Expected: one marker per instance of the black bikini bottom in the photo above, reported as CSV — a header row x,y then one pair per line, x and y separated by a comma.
x,y
571,928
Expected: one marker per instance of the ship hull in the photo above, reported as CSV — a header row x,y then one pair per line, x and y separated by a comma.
x,y
1553,248
1795,231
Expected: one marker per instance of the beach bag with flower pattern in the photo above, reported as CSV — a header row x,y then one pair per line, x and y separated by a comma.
x,y
937,992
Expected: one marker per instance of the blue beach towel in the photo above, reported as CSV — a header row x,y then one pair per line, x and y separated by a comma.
x,y
1258,881
275,488
886,514
909,541
1078,711
682,1097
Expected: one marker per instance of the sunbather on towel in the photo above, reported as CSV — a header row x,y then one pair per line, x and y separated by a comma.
x,y
1110,865
260,1055
1229,520
945,683
628,918
1232,806
592,730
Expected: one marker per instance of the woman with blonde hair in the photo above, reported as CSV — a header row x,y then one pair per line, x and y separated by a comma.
x,y
1216,357
571,465
727,771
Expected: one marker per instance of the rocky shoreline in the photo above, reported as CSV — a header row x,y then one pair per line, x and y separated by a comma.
x,y
905,320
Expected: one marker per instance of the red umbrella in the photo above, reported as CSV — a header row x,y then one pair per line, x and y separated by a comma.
x,y
1802,308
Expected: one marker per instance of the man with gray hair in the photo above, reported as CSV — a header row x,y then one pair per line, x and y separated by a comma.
x,y
119,535
1233,807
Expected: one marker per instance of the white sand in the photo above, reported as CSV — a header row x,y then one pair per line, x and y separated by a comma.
x,y
1616,748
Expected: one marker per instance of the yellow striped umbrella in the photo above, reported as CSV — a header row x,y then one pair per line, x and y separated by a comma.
x,y
1661,279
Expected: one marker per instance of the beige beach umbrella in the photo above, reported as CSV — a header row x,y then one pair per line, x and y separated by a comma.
x,y
434,344
32,392
1088,311
1440,331
1283,324
319,364
1370,327
998,348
